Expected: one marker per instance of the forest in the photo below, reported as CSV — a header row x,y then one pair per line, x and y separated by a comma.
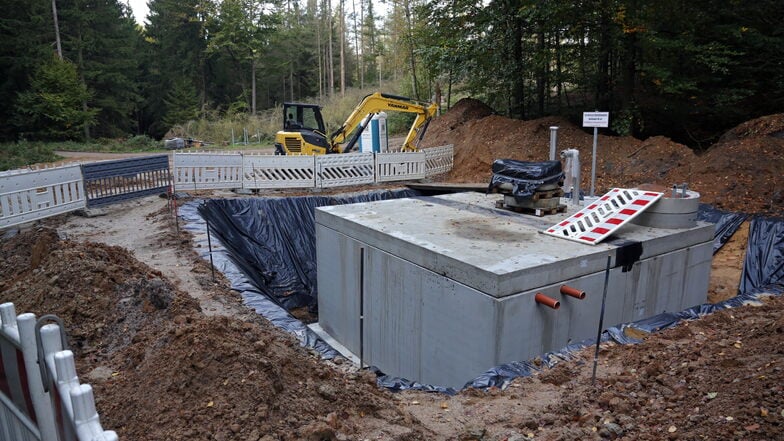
x,y
86,69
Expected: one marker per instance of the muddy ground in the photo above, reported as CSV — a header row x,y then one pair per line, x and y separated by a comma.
x,y
173,355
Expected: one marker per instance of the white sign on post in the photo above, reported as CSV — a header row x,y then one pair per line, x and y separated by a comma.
x,y
596,119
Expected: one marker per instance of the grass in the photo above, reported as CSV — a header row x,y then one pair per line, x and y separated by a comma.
x,y
22,154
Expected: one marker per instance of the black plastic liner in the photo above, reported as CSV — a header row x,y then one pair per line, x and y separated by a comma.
x,y
727,223
763,268
251,296
273,240
524,176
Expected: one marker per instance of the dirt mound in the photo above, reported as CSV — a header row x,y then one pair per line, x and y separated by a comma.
x,y
163,371
225,379
738,173
103,294
769,125
715,378
467,109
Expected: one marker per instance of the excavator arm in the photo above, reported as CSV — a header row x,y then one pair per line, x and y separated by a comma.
x,y
379,102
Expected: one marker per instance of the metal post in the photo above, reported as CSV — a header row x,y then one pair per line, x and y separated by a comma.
x,y
553,141
209,246
232,136
593,161
361,307
601,320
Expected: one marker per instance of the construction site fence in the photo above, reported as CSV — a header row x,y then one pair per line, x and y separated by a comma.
x,y
34,194
29,195
221,170
41,398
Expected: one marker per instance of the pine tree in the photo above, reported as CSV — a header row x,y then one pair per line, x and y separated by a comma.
x,y
52,108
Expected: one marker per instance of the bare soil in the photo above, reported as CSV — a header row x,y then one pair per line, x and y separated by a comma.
x,y
742,172
173,355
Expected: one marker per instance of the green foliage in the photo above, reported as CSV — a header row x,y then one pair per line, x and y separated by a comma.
x,y
142,142
52,107
21,154
182,104
688,70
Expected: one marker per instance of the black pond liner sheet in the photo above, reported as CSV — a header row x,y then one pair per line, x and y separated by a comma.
x,y
727,223
253,229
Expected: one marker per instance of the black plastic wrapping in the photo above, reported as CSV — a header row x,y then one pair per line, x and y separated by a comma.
x,y
524,176
272,240
763,268
727,223
251,296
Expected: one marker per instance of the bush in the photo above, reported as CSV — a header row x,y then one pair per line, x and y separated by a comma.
x,y
21,154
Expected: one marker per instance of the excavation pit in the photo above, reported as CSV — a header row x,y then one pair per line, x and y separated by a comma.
x,y
440,289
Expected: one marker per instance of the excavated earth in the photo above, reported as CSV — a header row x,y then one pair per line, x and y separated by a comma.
x,y
173,356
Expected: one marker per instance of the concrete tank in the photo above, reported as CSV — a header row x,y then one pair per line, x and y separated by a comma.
x,y
440,289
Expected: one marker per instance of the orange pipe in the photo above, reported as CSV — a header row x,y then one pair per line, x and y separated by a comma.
x,y
572,292
547,301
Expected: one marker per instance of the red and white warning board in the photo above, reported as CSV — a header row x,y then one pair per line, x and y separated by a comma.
x,y
602,218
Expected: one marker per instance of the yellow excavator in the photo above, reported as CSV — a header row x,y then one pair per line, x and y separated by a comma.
x,y
304,133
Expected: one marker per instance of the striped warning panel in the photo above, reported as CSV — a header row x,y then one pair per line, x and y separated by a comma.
x,y
603,217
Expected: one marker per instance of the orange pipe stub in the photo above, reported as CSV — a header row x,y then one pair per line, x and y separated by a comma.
x,y
572,292
547,301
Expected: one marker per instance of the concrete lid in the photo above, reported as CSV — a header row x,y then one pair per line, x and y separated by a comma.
x,y
464,237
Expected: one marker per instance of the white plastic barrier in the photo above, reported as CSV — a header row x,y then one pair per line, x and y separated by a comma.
x,y
207,170
346,169
27,411
439,159
274,171
28,195
400,166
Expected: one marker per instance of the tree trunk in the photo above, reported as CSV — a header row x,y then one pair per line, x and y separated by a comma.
x,y
559,90
80,60
342,34
517,106
356,42
330,60
410,37
291,82
320,58
541,77
57,30
253,86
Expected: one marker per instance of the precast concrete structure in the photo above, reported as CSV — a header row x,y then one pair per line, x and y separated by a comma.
x,y
440,289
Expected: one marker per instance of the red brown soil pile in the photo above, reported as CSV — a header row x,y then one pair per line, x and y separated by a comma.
x,y
738,173
103,294
719,377
163,371
770,125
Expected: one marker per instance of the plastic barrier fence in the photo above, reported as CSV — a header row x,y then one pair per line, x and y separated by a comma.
x,y
213,170
31,195
55,408
273,171
107,182
198,171
400,166
439,160
347,169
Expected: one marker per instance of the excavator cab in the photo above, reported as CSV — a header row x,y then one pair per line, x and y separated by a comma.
x,y
303,131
